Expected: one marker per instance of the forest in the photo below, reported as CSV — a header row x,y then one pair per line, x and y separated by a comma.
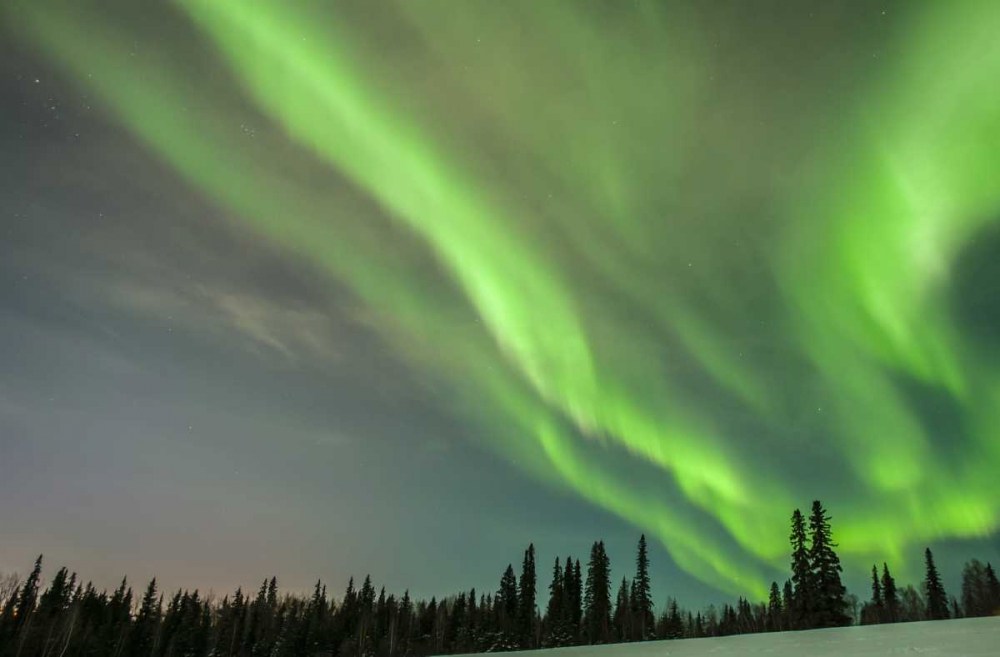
x,y
70,618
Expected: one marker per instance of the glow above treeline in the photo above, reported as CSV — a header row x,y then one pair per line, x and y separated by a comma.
x,y
694,301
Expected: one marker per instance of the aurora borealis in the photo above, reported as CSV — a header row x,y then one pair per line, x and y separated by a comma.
x,y
692,264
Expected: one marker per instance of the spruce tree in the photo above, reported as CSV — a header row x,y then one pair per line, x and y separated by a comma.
x,y
115,631
24,612
316,634
526,599
366,615
830,595
28,597
405,622
555,606
427,619
506,606
787,605
473,611
191,639
56,597
876,587
487,620
993,586
91,607
874,611
52,605
572,599
674,624
257,610
349,611
802,596
566,614
454,639
937,599
223,628
597,597
643,597
633,612
577,594
169,628
267,631
622,614
146,624
774,609
889,597
554,609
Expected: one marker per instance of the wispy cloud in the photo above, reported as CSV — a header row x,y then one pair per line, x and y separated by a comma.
x,y
264,326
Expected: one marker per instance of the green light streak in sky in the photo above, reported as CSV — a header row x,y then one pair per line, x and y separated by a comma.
x,y
874,306
294,75
607,320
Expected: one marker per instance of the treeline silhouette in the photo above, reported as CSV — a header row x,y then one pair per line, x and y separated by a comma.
x,y
70,619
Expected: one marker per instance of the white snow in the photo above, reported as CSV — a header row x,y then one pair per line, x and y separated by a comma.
x,y
967,637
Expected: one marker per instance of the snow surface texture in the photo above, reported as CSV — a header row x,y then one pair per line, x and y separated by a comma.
x,y
968,637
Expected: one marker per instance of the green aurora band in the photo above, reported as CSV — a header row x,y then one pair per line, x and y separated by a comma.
x,y
528,217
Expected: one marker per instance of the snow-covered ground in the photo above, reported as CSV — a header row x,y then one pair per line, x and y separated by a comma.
x,y
967,637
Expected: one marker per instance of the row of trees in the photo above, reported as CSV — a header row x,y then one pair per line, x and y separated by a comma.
x,y
980,595
815,597
71,619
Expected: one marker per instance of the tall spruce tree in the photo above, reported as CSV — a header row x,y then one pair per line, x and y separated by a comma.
x,y
144,629
674,626
774,609
455,630
572,599
633,612
597,597
505,606
24,610
554,609
114,634
876,587
642,598
937,599
830,595
266,632
256,620
803,591
874,611
993,586
349,611
526,599
366,614
405,623
699,626
566,614
52,605
577,595
889,596
621,618
473,614
788,605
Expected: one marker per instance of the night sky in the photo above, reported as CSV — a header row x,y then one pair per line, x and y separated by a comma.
x,y
316,289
